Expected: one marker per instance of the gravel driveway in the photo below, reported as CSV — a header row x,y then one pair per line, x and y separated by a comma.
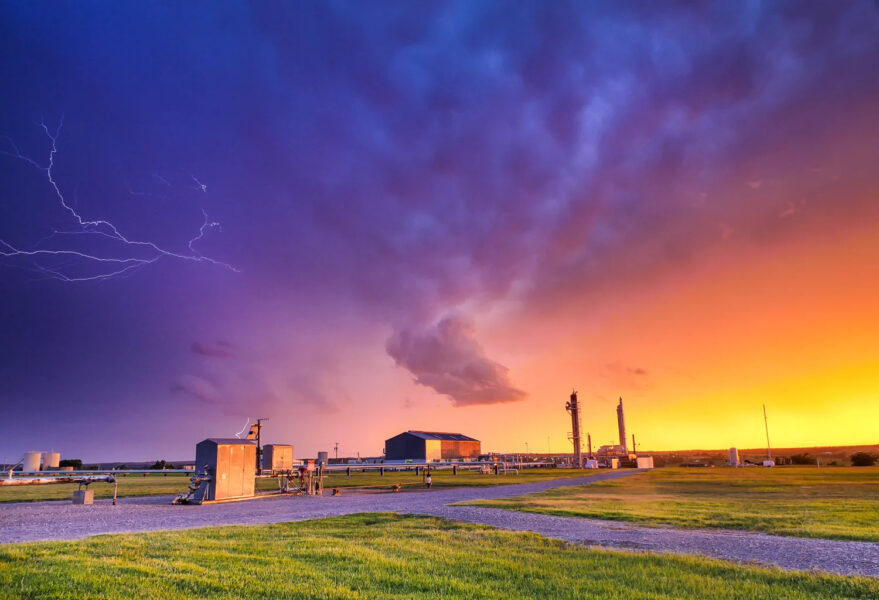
x,y
32,521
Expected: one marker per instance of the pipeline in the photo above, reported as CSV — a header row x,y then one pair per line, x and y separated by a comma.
x,y
199,481
82,480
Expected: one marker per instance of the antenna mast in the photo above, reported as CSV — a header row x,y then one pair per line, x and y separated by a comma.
x,y
259,443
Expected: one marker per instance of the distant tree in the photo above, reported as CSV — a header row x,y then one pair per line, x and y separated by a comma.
x,y
170,466
93,468
76,463
158,465
863,459
122,467
802,459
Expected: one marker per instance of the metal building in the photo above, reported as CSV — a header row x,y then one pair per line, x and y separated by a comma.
x,y
229,463
431,446
277,457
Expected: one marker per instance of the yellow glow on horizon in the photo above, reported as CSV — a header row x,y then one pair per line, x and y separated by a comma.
x,y
793,325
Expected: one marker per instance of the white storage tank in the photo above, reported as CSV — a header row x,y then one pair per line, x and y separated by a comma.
x,y
51,460
31,461
734,457
644,462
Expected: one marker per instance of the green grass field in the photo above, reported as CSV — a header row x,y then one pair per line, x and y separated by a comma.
x,y
154,485
380,556
837,503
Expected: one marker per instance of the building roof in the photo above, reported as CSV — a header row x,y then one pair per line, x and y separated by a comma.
x,y
437,435
230,441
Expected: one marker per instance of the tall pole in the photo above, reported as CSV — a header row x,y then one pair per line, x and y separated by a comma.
x,y
259,443
573,407
766,423
337,449
621,424
634,448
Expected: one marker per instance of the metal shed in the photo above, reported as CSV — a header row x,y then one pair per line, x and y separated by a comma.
x,y
431,446
277,457
229,462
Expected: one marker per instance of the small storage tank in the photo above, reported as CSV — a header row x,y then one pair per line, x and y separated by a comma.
x,y
734,457
31,461
322,457
51,460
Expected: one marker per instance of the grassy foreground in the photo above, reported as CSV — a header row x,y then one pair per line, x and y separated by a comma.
x,y
837,503
158,484
381,556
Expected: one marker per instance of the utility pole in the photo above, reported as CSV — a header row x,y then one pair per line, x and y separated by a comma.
x,y
766,423
336,448
259,443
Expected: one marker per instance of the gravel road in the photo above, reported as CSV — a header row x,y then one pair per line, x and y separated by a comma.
x,y
33,521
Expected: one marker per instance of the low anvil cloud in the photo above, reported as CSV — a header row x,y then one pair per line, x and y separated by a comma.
x,y
447,358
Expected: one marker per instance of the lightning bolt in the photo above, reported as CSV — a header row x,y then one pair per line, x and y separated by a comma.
x,y
136,253
199,185
246,423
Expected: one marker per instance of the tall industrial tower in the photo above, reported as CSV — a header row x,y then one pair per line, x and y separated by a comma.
x,y
573,407
621,423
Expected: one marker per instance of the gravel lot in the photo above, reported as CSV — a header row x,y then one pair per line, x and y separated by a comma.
x,y
62,521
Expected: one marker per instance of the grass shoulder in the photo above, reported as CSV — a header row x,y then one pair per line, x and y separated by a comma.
x,y
383,556
833,503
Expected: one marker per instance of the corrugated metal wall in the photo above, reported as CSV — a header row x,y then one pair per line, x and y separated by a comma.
x,y
456,449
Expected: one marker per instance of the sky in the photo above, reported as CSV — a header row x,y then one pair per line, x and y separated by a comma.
x,y
356,219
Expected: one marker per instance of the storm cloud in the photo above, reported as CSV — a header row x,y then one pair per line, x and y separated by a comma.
x,y
448,358
382,163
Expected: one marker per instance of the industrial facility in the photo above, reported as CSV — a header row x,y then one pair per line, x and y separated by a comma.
x,y
609,456
431,446
227,469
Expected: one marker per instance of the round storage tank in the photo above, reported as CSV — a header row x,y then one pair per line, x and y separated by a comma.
x,y
31,461
51,460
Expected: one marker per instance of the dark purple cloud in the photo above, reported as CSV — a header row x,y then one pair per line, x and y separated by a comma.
x,y
448,358
197,387
213,350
